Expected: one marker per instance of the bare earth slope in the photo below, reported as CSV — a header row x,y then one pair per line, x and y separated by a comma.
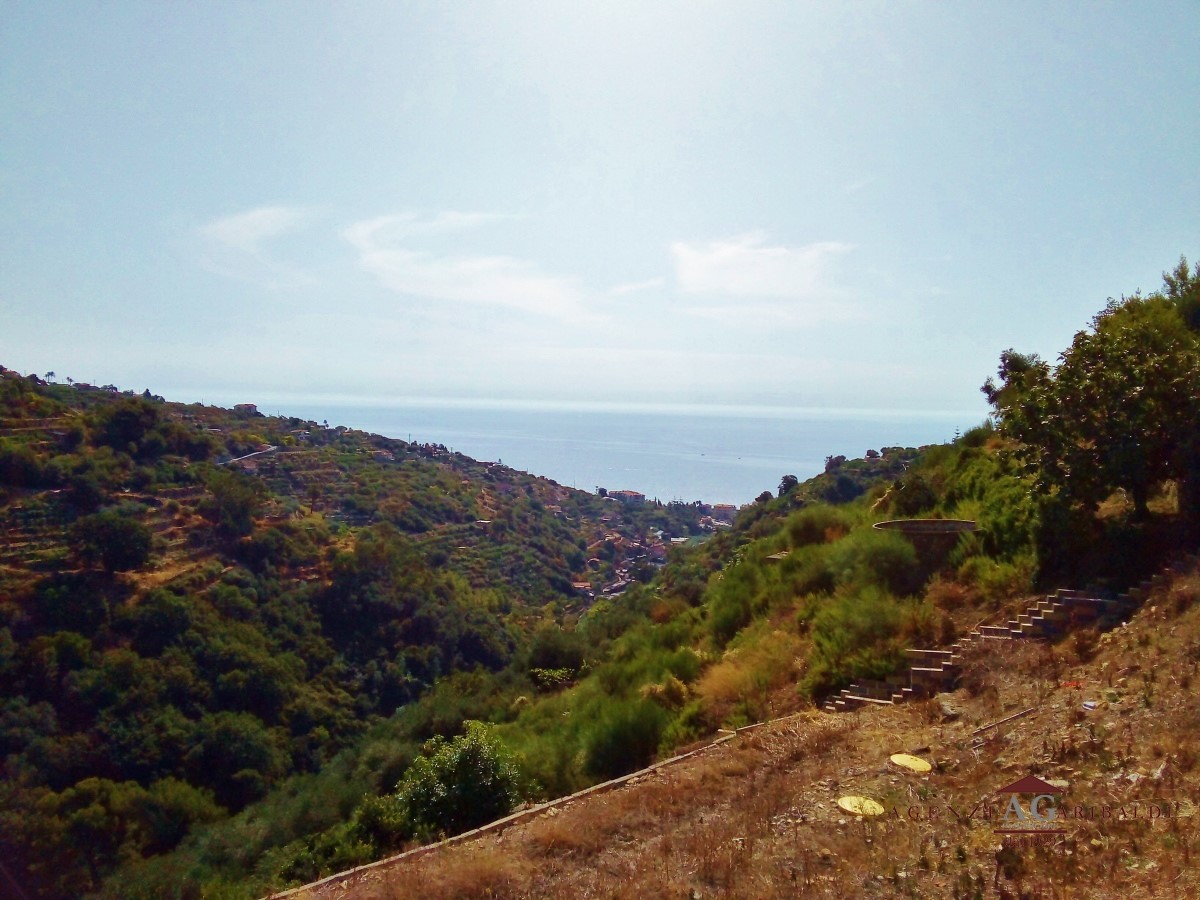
x,y
1112,721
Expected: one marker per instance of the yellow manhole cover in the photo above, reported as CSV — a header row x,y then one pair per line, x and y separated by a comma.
x,y
910,762
861,806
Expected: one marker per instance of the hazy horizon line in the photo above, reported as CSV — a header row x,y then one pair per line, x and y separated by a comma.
x,y
268,402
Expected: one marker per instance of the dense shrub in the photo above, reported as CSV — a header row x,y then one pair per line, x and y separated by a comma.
x,y
855,635
729,612
979,435
733,594
911,496
807,571
554,648
995,580
816,524
458,785
19,466
692,723
881,558
624,737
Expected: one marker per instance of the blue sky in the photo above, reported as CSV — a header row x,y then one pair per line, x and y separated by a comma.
x,y
781,204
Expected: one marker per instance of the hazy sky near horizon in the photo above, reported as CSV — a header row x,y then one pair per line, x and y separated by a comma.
x,y
817,204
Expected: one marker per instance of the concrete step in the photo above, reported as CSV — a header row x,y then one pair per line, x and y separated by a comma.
x,y
925,674
879,692
995,631
1052,616
870,700
927,655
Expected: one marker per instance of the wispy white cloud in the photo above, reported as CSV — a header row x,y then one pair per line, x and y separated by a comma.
x,y
247,231
236,246
743,282
746,265
384,249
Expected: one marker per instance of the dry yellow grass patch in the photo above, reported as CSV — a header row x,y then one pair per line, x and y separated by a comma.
x,y
477,872
751,672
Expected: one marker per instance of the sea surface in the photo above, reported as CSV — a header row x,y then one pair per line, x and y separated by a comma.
x,y
714,454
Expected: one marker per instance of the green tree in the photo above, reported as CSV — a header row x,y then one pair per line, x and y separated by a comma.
x,y
85,830
1182,287
130,424
160,618
237,757
234,501
1121,410
19,465
459,785
117,542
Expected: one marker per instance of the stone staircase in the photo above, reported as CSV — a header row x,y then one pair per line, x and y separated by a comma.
x,y
935,671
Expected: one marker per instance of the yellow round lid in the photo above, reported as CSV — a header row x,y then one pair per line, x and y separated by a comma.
x,y
910,762
861,806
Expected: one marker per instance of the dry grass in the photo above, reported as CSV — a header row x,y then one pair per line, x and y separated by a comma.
x,y
562,836
485,872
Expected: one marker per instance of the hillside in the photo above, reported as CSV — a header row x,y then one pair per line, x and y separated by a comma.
x,y
199,604
1110,721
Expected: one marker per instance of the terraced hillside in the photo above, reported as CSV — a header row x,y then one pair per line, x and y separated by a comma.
x,y
199,604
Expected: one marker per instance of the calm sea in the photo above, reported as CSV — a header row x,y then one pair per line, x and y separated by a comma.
x,y
718,455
